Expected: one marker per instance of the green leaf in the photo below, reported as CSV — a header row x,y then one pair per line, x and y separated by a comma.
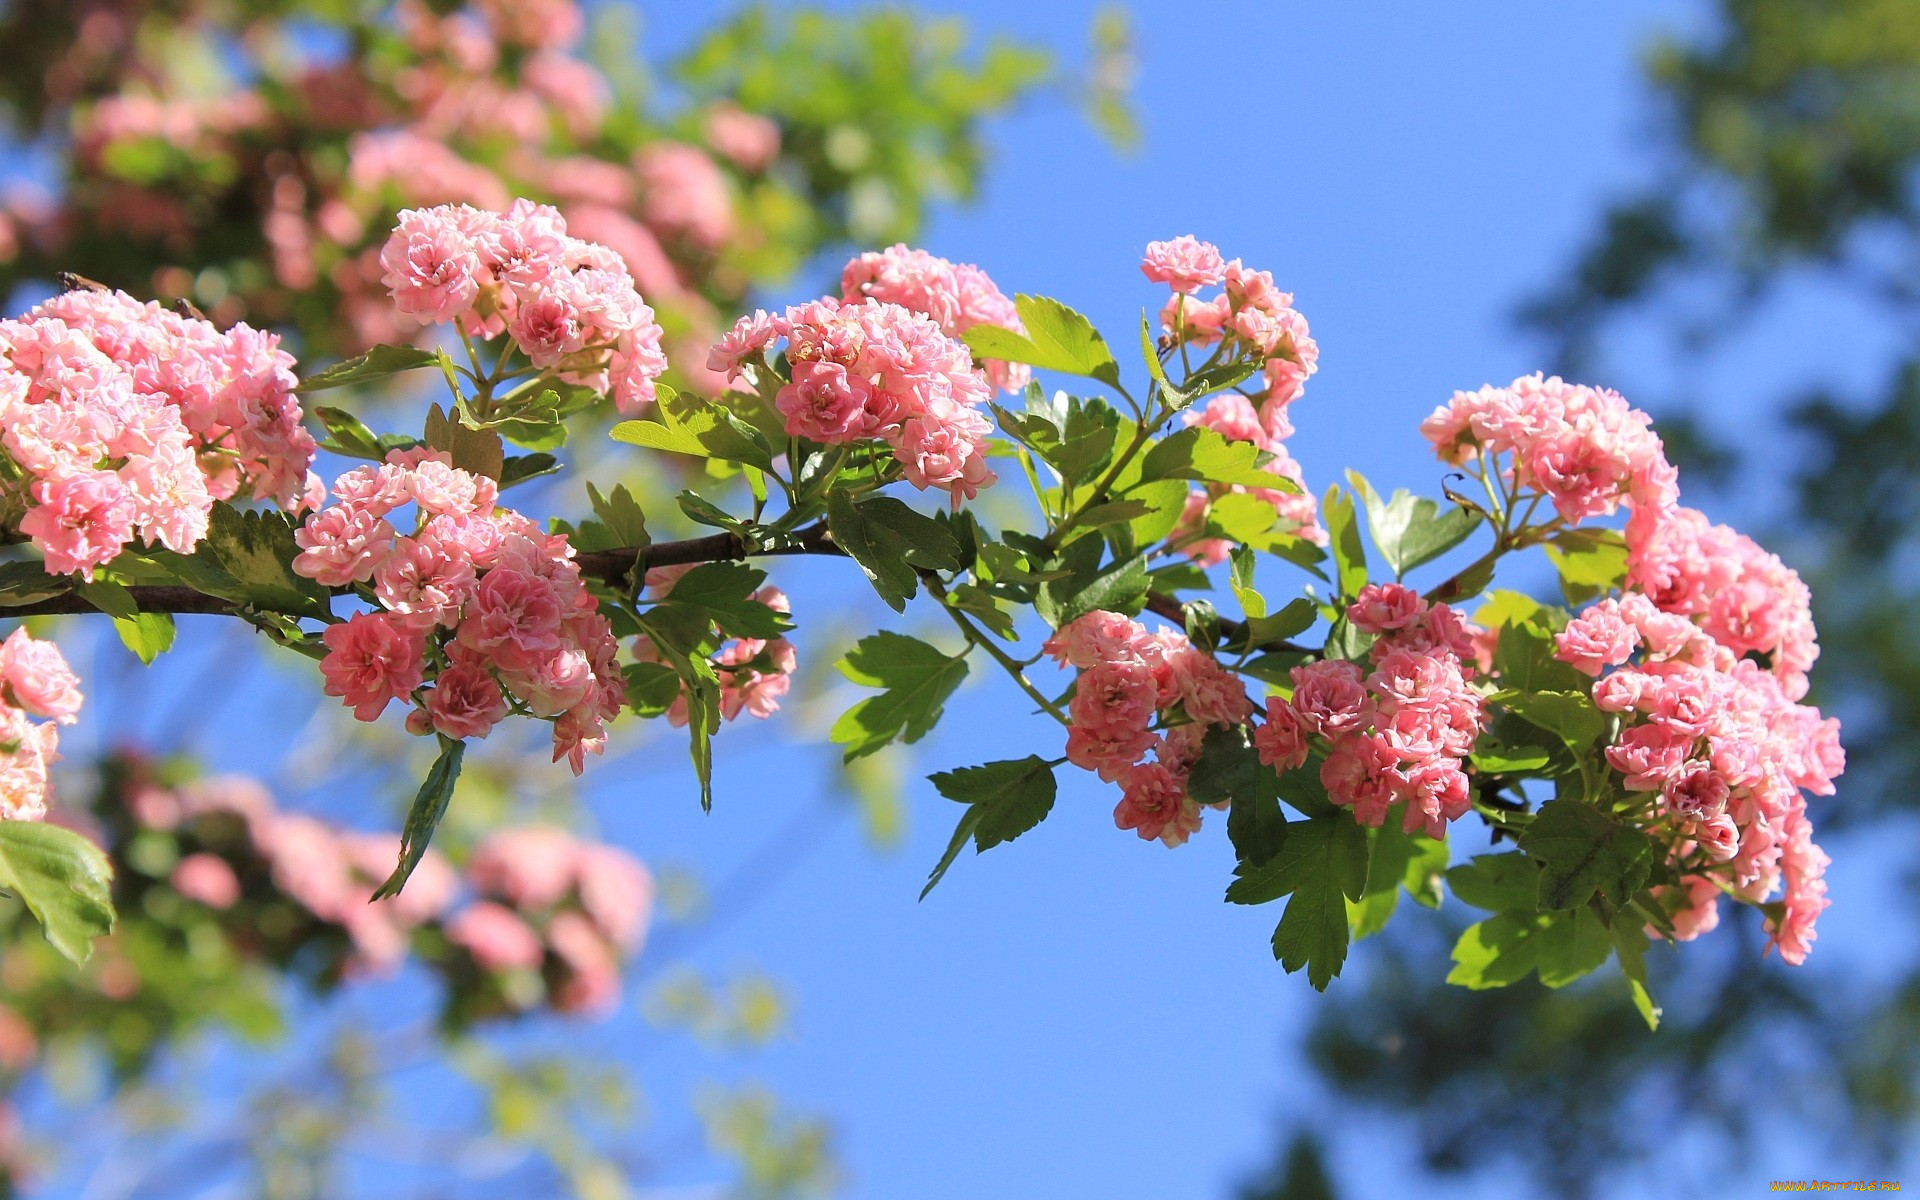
x,y
1296,616
522,467
110,597
701,686
1411,531
874,548
1582,850
63,879
722,592
1057,339
621,514
1121,588
1426,868
1343,537
1230,770
1003,799
1369,914
255,550
693,425
147,634
1240,577
1497,882
25,582
1630,950
1197,452
1590,561
1572,945
1572,715
377,363
917,679
348,435
1323,863
1241,517
1498,951
477,450
921,540
429,806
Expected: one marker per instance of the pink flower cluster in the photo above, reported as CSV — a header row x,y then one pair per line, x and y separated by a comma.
x,y
554,903
957,296
1743,597
1585,449
329,872
1130,681
34,682
1395,734
1728,751
754,672
866,369
547,907
569,305
1254,315
481,599
125,420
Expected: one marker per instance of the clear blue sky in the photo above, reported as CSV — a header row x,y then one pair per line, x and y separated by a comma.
x,y
1078,1015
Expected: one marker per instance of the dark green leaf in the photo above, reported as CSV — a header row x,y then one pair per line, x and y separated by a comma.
x,y
377,363
1573,944
875,549
522,467
429,806
722,592
255,550
917,680
1121,588
1003,799
1582,850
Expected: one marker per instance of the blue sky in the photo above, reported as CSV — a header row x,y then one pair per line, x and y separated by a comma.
x,y
1078,1014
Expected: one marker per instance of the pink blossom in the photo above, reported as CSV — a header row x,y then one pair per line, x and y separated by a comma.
x,y
497,937
1382,607
1154,804
207,879
372,658
1281,740
1185,264
35,677
80,521
825,404
465,702
532,867
432,267
747,140
1330,697
342,545
592,981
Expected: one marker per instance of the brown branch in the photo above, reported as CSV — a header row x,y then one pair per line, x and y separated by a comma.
x,y
609,566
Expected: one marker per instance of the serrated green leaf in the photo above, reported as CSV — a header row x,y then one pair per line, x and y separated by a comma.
x,y
64,880
1411,531
1582,850
1630,950
521,467
917,679
875,549
147,634
255,550
1003,799
621,514
1057,339
1199,453
722,592
1240,578
25,582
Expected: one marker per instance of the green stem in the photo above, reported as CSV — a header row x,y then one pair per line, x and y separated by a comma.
x,y
977,637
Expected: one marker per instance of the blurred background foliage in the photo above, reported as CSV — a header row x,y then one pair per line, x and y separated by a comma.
x,y
246,157
1786,151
